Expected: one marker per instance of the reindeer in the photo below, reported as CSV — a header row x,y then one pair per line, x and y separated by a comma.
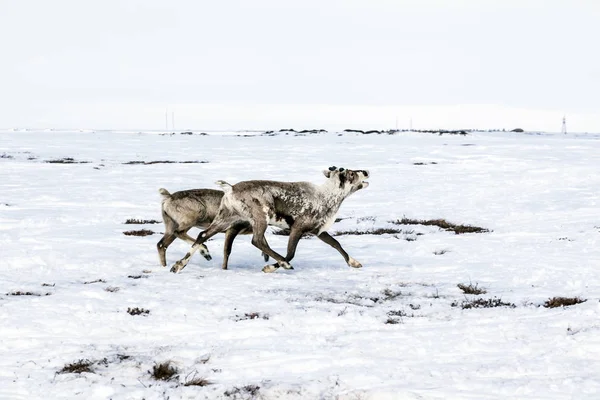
x,y
194,208
301,207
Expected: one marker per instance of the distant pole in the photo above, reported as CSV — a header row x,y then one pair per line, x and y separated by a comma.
x,y
564,126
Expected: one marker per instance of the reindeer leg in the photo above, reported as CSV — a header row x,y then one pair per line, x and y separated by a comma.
x,y
211,231
162,246
187,238
259,241
230,235
327,238
294,238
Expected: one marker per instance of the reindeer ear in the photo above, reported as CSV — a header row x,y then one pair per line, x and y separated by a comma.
x,y
326,173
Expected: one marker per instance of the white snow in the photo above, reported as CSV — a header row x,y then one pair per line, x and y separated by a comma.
x,y
319,333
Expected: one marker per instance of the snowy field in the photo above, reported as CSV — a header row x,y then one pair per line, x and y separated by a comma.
x,y
394,329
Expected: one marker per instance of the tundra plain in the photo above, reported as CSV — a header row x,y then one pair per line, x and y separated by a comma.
x,y
87,312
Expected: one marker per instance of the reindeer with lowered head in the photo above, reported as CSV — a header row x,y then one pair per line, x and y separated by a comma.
x,y
301,207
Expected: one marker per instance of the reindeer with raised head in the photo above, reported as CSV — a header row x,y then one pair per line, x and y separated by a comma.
x,y
186,209
301,207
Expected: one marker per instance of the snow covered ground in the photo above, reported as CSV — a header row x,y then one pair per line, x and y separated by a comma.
x,y
394,329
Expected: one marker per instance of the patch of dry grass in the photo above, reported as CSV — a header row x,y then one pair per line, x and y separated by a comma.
x,y
252,315
27,293
245,392
141,232
198,381
77,367
443,224
137,311
141,221
374,231
563,302
65,160
163,162
164,371
483,303
470,289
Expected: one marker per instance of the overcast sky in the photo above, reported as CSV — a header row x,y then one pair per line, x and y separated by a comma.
x,y
269,64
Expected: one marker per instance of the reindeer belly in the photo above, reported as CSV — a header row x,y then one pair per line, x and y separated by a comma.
x,y
281,221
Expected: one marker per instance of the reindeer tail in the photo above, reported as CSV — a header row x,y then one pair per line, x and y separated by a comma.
x,y
225,186
164,193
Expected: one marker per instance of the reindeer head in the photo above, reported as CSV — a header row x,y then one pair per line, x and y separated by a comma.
x,y
347,180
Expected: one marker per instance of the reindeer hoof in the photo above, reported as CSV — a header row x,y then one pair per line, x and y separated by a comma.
x,y
178,266
207,256
353,263
270,268
285,265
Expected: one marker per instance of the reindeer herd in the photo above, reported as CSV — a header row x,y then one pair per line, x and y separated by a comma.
x,y
249,207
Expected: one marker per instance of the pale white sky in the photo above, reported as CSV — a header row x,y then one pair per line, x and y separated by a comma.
x,y
270,64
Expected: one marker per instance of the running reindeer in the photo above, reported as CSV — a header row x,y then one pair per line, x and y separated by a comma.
x,y
301,207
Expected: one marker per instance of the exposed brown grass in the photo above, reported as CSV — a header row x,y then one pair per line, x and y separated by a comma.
x,y
246,392
21,293
137,276
563,302
443,224
252,315
95,281
141,221
66,160
77,367
164,371
137,311
482,303
377,231
141,232
470,289
163,162
199,381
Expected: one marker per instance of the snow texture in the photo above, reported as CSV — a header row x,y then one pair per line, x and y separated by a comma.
x,y
393,329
